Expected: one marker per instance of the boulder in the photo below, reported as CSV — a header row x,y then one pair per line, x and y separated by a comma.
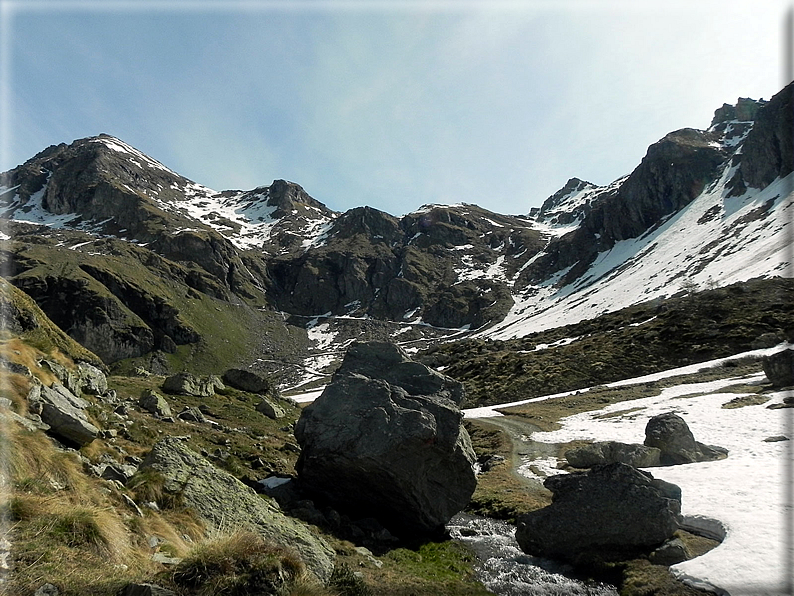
x,y
91,379
246,380
185,383
779,368
394,448
120,472
271,410
223,502
189,414
612,509
671,435
610,452
154,403
64,413
386,361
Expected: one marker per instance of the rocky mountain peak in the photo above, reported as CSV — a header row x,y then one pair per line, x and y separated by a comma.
x,y
744,110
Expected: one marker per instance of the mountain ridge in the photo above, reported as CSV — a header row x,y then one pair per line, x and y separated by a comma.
x,y
446,269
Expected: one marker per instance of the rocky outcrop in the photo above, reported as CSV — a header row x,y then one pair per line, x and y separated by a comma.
x,y
670,434
768,150
185,383
385,440
613,510
610,452
64,412
779,368
674,171
223,502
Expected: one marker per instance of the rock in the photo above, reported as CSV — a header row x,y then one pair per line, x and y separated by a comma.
x,y
776,438
68,378
187,384
610,452
386,361
120,472
271,410
145,590
156,404
47,590
191,415
91,379
610,509
63,412
246,380
779,368
15,368
671,552
373,448
670,433
223,502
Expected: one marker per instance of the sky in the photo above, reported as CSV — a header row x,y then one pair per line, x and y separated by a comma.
x,y
391,104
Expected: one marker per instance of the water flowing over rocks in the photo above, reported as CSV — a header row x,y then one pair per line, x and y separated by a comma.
x,y
222,501
611,510
385,439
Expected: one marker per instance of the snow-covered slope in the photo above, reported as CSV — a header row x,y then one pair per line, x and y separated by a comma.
x,y
715,241
740,500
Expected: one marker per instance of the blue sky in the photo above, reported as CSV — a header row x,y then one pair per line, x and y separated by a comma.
x,y
381,103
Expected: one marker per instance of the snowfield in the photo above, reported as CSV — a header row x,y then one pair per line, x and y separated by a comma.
x,y
745,500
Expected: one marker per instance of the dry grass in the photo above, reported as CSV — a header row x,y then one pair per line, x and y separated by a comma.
x,y
243,563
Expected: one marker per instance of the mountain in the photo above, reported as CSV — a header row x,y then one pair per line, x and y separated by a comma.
x,y
144,266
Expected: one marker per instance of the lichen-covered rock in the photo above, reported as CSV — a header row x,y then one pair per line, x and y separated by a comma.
x,y
610,452
671,435
609,509
223,502
390,449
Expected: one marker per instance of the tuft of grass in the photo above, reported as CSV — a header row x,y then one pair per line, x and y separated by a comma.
x,y
239,564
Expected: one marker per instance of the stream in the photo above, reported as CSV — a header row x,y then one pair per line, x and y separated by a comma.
x,y
503,567
507,571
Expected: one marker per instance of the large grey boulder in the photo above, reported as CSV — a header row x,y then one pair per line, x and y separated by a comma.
x,y
392,449
224,503
64,413
610,509
779,368
671,435
246,380
185,383
610,452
